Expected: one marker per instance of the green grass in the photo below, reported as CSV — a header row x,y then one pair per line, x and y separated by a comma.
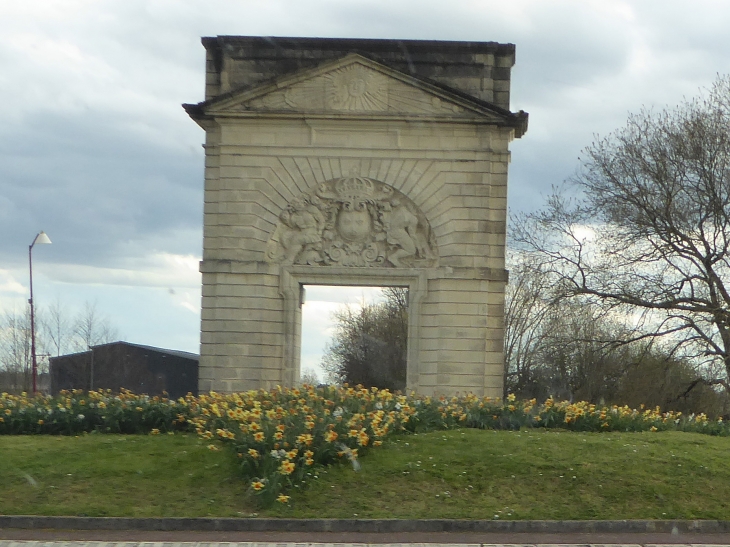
x,y
117,475
472,474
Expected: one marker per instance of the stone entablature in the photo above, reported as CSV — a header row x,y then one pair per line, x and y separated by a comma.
x,y
353,170
480,70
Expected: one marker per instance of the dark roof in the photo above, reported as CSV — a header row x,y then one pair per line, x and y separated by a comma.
x,y
176,353
52,357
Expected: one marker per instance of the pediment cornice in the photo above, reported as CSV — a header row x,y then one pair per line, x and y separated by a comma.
x,y
355,86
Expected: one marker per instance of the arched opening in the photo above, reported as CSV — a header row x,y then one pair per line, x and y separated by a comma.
x,y
354,334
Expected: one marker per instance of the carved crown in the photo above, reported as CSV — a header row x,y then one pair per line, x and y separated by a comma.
x,y
355,188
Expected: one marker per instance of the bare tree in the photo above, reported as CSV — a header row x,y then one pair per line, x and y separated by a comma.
x,y
92,329
309,377
57,328
369,345
526,323
649,228
576,349
57,333
15,351
556,346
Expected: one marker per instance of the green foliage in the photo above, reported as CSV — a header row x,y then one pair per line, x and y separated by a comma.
x,y
281,436
77,411
670,383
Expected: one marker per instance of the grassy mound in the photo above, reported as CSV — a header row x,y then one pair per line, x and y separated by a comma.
x,y
283,438
465,474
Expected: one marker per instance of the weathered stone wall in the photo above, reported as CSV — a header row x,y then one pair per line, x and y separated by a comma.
x,y
479,69
288,174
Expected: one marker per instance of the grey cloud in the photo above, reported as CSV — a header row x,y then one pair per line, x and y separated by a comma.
x,y
100,153
94,187
95,149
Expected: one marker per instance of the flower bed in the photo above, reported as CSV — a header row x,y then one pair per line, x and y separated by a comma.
x,y
281,437
74,412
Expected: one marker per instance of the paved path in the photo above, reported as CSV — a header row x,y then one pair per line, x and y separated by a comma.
x,y
31,531
136,538
136,543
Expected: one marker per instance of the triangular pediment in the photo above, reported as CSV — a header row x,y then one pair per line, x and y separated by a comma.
x,y
355,85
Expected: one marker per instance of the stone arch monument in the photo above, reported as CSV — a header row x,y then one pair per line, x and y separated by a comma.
x,y
355,162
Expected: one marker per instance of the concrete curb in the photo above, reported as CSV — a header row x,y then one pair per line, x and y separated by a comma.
x,y
365,525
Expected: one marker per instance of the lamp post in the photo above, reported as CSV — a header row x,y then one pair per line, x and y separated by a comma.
x,y
40,238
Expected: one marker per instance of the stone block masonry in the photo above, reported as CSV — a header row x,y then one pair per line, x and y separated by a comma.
x,y
355,162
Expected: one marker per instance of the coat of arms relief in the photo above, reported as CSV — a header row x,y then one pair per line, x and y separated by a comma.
x,y
353,221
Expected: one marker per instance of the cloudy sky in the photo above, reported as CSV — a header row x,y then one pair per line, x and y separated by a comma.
x,y
96,150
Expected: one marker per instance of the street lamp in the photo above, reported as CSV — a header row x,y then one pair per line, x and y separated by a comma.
x,y
40,238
